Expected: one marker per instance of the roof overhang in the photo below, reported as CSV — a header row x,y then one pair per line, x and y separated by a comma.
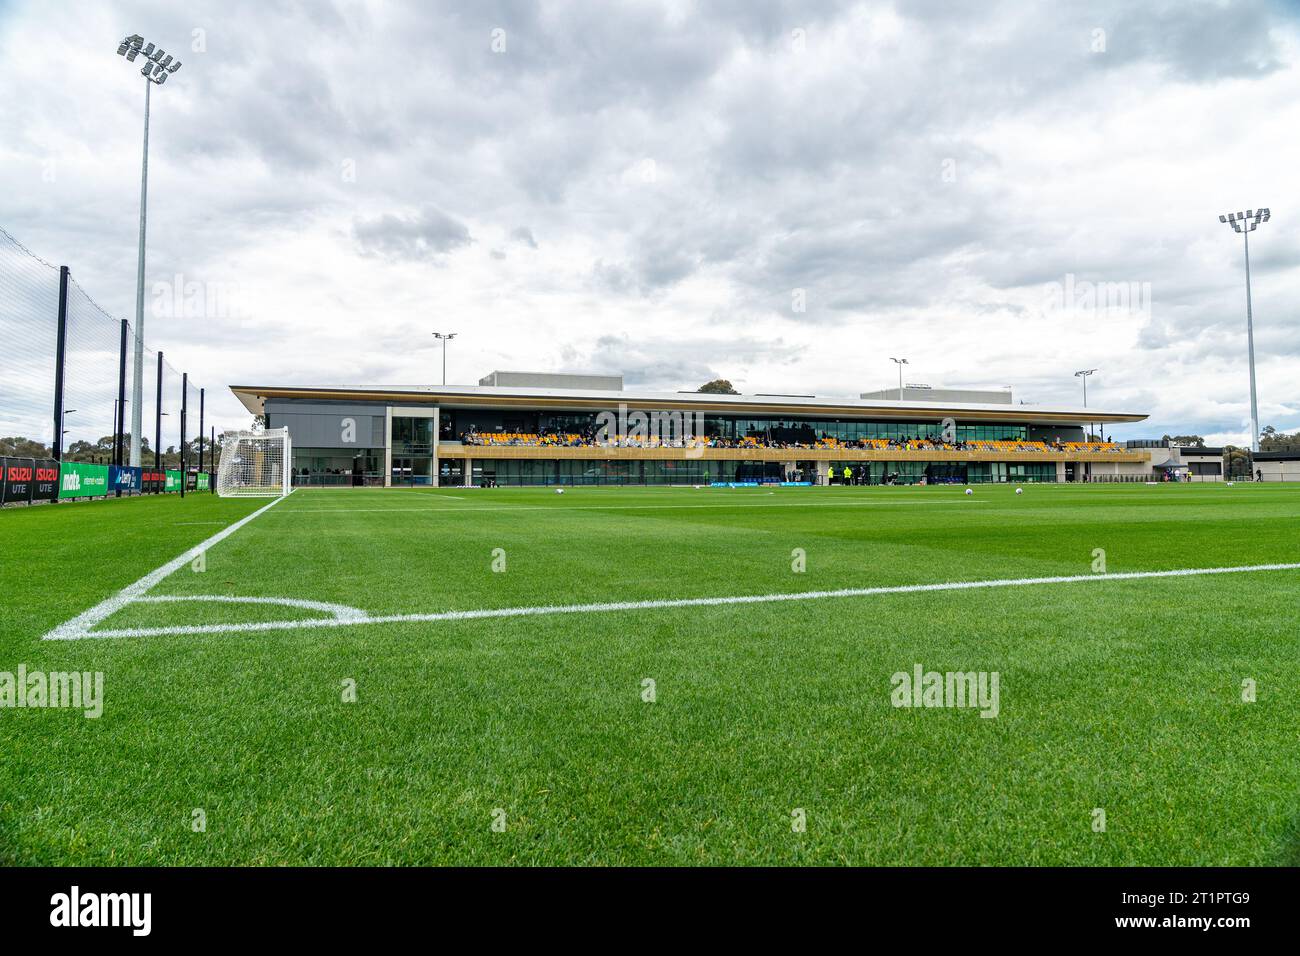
x,y
456,396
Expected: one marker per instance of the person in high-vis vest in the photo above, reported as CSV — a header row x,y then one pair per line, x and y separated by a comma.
x,y
848,475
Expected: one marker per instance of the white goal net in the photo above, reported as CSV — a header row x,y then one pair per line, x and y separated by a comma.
x,y
255,464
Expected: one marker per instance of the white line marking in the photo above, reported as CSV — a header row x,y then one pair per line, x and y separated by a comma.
x,y
342,612
563,510
88,619
656,605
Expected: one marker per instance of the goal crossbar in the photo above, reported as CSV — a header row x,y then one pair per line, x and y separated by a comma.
x,y
255,464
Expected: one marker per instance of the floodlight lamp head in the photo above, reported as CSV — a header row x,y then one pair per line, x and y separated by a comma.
x,y
130,47
1267,213
1223,219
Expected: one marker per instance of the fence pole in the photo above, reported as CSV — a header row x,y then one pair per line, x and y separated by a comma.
x,y
120,424
212,483
60,353
185,387
157,425
201,431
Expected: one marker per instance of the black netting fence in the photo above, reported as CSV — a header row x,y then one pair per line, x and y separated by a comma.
x,y
90,379
79,416
29,312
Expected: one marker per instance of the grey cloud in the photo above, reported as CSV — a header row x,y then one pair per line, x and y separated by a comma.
x,y
427,234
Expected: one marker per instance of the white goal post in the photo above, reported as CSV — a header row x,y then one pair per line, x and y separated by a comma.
x,y
255,464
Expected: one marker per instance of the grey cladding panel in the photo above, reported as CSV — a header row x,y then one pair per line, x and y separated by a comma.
x,y
334,429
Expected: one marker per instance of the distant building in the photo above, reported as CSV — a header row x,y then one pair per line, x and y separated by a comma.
x,y
526,428
1278,465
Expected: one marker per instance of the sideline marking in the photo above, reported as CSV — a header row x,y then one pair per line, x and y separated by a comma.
x,y
654,605
562,509
109,606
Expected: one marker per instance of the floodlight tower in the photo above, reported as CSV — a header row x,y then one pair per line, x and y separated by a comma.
x,y
445,337
1083,374
158,66
900,362
1246,223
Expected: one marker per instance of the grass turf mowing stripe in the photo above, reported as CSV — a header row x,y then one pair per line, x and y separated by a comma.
x,y
106,608
657,604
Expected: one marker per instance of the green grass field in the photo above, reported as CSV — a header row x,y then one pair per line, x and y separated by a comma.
x,y
1123,695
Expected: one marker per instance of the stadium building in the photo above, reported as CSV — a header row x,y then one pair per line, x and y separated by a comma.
x,y
523,428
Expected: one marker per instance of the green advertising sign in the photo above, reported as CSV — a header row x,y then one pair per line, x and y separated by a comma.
x,y
173,482
204,481
80,480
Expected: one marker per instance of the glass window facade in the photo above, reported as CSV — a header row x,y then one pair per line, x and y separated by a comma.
x,y
456,422
631,472
334,466
413,436
412,451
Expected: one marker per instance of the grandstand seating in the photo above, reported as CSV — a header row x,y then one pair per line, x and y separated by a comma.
x,y
570,440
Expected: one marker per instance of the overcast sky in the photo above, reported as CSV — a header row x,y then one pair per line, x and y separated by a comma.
x,y
781,194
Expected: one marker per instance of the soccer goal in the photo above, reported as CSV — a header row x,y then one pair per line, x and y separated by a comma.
x,y
255,464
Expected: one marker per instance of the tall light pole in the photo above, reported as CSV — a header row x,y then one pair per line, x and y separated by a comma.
x,y
1083,374
158,66
900,362
1246,223
446,337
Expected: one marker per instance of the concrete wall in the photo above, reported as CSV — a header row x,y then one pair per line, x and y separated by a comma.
x,y
970,396
1279,470
557,380
1135,468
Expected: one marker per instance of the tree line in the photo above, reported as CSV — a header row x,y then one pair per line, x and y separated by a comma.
x,y
101,452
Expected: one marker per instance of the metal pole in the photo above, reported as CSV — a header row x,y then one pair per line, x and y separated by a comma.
x,y
120,412
1250,347
212,485
137,387
1087,437
200,430
444,361
157,428
60,354
185,387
